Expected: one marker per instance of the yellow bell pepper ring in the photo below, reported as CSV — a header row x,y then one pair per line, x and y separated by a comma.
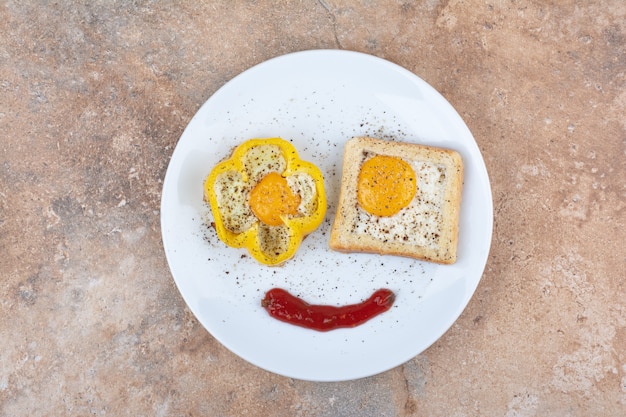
x,y
266,199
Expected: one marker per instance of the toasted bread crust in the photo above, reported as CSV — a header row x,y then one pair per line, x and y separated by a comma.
x,y
347,234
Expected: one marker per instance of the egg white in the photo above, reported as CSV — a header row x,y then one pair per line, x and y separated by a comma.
x,y
419,223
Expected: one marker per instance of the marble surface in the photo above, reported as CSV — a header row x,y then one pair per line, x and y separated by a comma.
x,y
93,99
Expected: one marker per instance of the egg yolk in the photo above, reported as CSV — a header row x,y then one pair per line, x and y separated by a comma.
x,y
272,198
386,185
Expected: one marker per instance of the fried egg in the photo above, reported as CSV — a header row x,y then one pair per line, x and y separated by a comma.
x,y
263,195
404,200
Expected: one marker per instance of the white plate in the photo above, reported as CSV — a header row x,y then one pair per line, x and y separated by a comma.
x,y
319,99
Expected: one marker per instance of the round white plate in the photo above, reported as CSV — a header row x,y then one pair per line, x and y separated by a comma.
x,y
319,99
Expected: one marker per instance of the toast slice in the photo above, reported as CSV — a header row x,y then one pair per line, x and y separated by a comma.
x,y
427,228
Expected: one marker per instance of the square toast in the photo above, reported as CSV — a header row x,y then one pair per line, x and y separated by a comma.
x,y
426,228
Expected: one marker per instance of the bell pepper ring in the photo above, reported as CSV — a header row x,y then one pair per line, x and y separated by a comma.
x,y
260,171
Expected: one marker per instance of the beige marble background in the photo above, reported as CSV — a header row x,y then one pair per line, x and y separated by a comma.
x,y
94,97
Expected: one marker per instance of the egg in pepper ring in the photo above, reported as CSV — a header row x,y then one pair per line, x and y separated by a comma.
x,y
266,199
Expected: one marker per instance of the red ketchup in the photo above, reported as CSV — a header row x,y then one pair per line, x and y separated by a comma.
x,y
283,306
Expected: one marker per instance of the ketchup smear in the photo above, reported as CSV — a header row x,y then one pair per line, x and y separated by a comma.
x,y
283,306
